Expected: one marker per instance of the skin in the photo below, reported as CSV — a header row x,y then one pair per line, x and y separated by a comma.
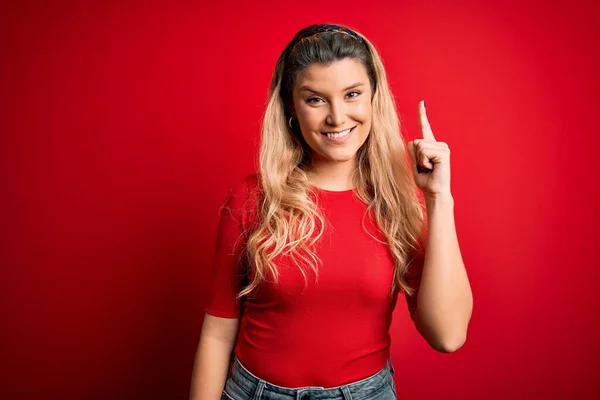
x,y
330,106
332,98
445,300
324,102
211,364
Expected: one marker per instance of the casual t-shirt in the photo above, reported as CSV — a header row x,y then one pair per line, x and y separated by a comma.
x,y
329,333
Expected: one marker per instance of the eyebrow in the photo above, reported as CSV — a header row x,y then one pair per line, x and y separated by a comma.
x,y
305,87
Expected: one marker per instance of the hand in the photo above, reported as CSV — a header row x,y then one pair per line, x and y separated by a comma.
x,y
430,159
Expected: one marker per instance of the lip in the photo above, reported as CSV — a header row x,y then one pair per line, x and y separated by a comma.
x,y
342,139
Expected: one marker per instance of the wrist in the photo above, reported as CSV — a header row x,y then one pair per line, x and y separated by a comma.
x,y
439,199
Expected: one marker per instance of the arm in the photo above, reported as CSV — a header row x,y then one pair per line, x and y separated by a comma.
x,y
445,301
218,336
444,298
213,356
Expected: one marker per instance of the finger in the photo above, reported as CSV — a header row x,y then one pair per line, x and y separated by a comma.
x,y
427,144
429,154
415,154
412,153
425,162
424,122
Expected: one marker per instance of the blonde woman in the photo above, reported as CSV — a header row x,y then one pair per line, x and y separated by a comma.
x,y
313,250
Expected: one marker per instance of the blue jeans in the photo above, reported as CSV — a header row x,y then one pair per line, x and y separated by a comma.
x,y
243,385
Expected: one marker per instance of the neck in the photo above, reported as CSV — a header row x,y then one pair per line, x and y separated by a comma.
x,y
332,175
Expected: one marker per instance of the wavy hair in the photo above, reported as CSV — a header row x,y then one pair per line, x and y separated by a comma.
x,y
289,221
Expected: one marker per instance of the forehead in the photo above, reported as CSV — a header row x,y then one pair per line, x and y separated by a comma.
x,y
335,76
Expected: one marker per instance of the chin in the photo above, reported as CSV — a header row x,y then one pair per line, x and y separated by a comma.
x,y
338,157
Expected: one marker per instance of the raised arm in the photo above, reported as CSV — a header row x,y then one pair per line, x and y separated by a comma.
x,y
444,303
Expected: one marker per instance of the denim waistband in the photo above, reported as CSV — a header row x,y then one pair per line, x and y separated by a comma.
x,y
254,386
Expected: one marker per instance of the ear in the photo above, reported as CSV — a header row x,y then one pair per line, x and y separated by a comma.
x,y
292,109
291,105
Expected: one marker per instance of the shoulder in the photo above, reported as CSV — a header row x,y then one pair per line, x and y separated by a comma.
x,y
245,189
243,198
252,182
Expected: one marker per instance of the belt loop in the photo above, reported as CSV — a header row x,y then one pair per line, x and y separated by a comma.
x,y
391,365
346,393
259,389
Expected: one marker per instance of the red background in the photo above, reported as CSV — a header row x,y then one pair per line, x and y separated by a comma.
x,y
124,126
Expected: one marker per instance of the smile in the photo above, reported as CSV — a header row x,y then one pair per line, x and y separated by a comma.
x,y
338,135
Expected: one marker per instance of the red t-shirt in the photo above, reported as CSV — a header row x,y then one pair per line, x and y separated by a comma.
x,y
334,332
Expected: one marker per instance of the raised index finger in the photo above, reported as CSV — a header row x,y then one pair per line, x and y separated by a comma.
x,y
424,122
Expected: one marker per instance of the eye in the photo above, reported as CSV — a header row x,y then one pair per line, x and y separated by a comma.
x,y
353,94
313,100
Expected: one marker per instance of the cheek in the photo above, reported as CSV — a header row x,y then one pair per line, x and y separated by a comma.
x,y
363,111
310,118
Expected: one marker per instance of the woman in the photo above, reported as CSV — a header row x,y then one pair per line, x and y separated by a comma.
x,y
313,250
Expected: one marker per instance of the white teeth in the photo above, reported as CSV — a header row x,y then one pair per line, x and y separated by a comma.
x,y
338,135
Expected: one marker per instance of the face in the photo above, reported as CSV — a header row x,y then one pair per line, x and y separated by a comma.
x,y
333,107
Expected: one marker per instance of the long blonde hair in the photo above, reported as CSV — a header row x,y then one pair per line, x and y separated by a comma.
x,y
289,221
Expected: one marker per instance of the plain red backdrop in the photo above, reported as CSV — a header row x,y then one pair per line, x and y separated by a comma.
x,y
123,126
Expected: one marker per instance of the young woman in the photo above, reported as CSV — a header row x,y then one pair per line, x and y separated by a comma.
x,y
313,250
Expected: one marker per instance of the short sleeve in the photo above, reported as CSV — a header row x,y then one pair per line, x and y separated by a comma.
x,y
228,274
413,278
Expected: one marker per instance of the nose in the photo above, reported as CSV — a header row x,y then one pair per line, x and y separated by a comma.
x,y
337,114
